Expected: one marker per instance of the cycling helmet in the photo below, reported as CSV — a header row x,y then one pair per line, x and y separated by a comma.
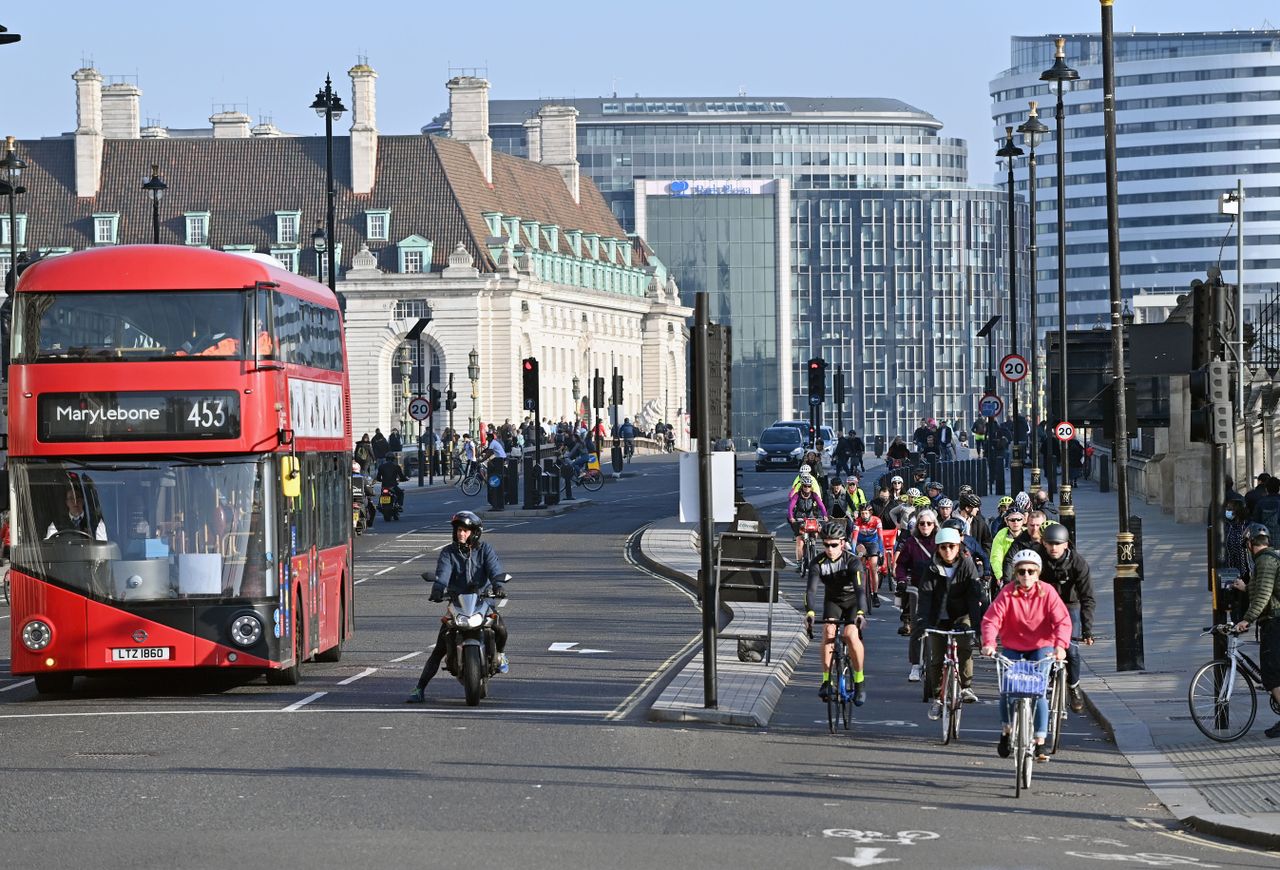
x,y
946,503
914,493
1004,503
1055,533
957,524
851,479
921,501
965,489
969,500
806,469
921,471
895,479
1256,531
1022,501
468,520
933,484
904,498
835,531
1031,556
806,479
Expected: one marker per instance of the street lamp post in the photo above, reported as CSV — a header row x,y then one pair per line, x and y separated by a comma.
x,y
11,166
1059,74
577,393
406,370
328,105
318,244
156,187
1033,130
1010,152
473,373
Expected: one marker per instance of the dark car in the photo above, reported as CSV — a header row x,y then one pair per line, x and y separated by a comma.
x,y
780,447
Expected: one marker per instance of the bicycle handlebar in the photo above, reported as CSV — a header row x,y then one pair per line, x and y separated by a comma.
x,y
950,633
1225,628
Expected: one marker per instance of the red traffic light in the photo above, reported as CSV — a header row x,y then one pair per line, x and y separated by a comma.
x,y
528,365
814,364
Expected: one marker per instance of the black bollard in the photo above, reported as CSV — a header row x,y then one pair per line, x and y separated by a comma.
x,y
1104,474
566,472
532,484
494,482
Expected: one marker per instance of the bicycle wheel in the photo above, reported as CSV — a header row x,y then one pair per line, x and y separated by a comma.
x,y
1057,709
846,689
952,704
1028,754
1019,749
1221,712
944,698
591,480
471,485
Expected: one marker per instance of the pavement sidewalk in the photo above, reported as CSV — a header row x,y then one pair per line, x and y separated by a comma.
x,y
1232,789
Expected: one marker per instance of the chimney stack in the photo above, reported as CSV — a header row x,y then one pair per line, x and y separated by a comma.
x,y
533,135
364,128
121,114
230,125
88,131
469,119
266,130
559,142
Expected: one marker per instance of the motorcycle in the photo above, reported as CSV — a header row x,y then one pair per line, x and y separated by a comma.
x,y
362,511
389,504
471,652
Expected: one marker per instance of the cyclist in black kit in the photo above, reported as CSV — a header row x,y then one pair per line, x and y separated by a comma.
x,y
845,598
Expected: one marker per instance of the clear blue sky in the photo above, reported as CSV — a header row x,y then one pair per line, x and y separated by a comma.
x,y
270,58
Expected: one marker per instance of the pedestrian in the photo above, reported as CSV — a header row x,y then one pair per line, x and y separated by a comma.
x,y
1258,491
364,453
379,444
1263,610
1236,555
1267,509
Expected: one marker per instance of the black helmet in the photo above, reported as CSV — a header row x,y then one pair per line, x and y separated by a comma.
x,y
956,523
468,520
1055,533
965,489
1256,531
835,531
969,500
921,471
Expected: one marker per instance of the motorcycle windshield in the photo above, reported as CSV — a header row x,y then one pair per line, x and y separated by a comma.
x,y
468,603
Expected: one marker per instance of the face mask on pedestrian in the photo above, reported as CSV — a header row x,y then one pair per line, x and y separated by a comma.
x,y
1231,515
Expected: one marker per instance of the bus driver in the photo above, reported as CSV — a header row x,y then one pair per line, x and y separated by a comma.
x,y
74,518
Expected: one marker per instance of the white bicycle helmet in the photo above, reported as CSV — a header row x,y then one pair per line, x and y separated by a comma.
x,y
895,479
806,480
914,493
1023,556
805,469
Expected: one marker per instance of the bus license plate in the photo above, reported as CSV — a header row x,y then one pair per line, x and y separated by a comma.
x,y
140,653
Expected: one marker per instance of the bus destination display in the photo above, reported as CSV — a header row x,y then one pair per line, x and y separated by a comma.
x,y
139,416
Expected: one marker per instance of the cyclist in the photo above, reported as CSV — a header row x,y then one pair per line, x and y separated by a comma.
x,y
900,514
895,486
1033,624
1067,572
857,448
970,510
898,453
933,489
628,434
1002,508
871,546
805,504
945,508
806,470
838,506
915,552
920,478
857,498
1264,609
950,598
920,502
845,598
1003,541
970,546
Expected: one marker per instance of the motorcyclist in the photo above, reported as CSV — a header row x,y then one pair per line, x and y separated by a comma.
x,y
467,565
390,474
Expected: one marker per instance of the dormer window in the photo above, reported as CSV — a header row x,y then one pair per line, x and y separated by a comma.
x,y
22,230
414,255
287,257
377,225
493,219
197,227
287,227
104,228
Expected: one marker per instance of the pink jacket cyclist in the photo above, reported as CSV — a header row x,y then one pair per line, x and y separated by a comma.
x,y
1028,619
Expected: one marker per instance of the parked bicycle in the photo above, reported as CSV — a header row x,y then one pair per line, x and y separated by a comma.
x,y
949,694
1223,695
1023,683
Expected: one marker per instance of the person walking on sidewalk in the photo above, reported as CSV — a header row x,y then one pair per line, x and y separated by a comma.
x,y
1264,609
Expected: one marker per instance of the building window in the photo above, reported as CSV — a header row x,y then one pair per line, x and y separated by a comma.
x,y
412,262
414,255
322,264
377,225
104,228
287,227
288,258
197,227
4,229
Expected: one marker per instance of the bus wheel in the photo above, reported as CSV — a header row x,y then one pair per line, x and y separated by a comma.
x,y
55,684
334,653
290,676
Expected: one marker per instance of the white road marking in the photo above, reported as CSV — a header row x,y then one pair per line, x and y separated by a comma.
x,y
492,709
439,548
298,705
17,685
385,570
6,616
407,657
569,647
865,857
366,672
628,702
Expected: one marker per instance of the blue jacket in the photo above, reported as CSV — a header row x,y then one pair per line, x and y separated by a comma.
x,y
459,571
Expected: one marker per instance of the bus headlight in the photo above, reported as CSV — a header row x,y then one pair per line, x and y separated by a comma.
x,y
36,635
246,630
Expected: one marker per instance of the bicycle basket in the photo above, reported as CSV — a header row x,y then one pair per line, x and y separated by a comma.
x,y
1023,679
811,526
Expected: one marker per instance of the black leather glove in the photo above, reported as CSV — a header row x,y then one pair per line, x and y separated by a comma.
x,y
499,592
437,594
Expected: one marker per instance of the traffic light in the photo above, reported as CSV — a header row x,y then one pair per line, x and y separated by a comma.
x,y
817,380
1211,403
597,392
837,381
617,389
529,371
435,399
451,401
1203,345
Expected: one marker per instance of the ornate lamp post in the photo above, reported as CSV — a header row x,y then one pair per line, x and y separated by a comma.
x,y
473,372
406,370
319,242
156,187
1010,152
1033,130
577,393
11,166
1060,73
328,105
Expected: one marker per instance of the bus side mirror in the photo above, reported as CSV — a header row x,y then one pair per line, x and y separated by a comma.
x,y
4,489
290,477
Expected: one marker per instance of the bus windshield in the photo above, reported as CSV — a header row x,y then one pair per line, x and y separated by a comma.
x,y
162,529
75,327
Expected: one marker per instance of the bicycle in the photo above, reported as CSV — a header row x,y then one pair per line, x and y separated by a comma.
x,y
1223,695
1057,705
840,698
471,481
587,477
809,528
1023,682
949,694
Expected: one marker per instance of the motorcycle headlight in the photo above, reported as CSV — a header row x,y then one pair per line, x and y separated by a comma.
x,y
36,635
464,621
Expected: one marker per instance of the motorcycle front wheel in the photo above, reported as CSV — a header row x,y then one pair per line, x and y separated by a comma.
x,y
472,675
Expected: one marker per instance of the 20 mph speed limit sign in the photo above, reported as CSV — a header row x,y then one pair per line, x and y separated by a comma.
x,y
1013,368
1064,431
419,408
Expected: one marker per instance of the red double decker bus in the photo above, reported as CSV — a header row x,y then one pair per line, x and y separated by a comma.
x,y
179,466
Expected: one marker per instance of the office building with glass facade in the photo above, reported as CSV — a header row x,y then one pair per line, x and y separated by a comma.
x,y
884,260
1195,112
